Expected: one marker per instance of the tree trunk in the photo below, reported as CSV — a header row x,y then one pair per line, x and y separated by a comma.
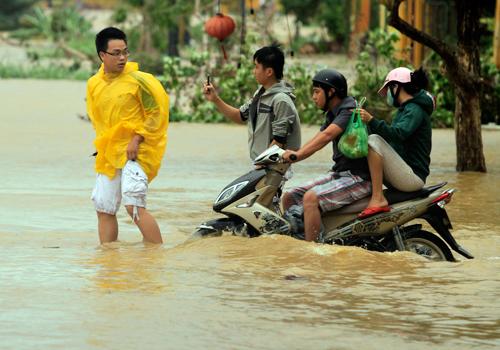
x,y
469,141
468,137
297,30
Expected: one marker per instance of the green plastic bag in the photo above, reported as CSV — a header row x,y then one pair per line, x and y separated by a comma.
x,y
354,141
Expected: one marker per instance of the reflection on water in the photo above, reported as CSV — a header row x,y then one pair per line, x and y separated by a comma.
x,y
127,267
61,290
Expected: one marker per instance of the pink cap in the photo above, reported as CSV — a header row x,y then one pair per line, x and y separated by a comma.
x,y
400,75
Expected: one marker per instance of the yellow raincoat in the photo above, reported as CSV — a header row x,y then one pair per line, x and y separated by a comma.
x,y
121,106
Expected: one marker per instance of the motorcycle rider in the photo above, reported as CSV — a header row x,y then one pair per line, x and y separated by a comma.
x,y
271,114
349,179
399,153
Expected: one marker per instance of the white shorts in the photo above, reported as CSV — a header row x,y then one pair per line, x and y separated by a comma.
x,y
129,184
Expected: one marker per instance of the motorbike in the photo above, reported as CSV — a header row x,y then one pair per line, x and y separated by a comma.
x,y
251,208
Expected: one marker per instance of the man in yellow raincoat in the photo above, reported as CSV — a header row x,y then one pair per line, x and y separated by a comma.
x,y
129,111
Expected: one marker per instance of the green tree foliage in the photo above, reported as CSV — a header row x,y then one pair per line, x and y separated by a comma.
x,y
375,60
64,26
444,91
300,76
159,17
37,71
236,85
63,23
157,33
183,80
304,11
11,11
330,14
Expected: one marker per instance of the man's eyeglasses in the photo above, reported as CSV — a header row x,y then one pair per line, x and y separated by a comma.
x,y
124,53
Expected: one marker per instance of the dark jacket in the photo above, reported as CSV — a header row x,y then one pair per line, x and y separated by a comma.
x,y
410,133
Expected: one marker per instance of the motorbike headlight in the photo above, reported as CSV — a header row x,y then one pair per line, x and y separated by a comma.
x,y
230,191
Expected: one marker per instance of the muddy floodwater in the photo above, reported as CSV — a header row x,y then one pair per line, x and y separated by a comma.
x,y
60,290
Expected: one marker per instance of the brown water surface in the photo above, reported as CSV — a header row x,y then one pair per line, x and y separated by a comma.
x,y
60,290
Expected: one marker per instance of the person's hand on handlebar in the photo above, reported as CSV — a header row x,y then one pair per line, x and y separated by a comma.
x,y
290,156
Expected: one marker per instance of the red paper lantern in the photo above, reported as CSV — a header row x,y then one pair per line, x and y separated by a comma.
x,y
220,26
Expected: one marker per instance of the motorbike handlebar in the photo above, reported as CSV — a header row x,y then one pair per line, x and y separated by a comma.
x,y
293,157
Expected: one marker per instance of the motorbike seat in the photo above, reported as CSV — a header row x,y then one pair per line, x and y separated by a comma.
x,y
393,196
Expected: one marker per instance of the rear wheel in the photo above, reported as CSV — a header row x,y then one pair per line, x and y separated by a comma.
x,y
428,245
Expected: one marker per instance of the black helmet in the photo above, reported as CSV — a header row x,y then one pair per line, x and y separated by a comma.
x,y
332,78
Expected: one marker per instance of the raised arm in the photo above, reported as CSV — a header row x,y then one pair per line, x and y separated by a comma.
x,y
228,111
